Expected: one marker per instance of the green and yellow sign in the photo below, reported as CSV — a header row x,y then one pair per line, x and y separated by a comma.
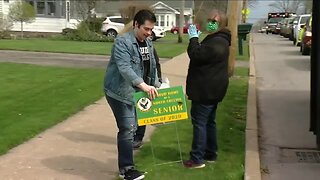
x,y
169,106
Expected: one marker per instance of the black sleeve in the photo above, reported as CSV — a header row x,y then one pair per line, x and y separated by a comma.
x,y
201,52
197,51
157,64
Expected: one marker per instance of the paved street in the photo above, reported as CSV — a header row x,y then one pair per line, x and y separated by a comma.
x,y
283,89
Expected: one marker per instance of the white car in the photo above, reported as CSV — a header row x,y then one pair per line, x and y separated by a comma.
x,y
262,30
301,20
112,25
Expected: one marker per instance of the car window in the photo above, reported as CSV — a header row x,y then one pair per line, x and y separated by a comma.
x,y
117,20
295,21
290,21
275,20
304,19
309,22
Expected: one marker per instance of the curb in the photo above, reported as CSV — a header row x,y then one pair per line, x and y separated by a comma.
x,y
252,158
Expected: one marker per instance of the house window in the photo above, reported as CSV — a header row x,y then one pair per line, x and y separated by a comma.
x,y
161,20
167,21
51,5
40,7
48,8
6,1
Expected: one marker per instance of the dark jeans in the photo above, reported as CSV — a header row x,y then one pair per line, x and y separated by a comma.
x,y
140,133
126,122
204,142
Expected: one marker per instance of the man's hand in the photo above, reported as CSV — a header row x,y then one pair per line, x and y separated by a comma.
x,y
152,91
193,32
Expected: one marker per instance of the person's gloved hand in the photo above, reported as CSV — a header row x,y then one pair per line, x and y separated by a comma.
x,y
192,31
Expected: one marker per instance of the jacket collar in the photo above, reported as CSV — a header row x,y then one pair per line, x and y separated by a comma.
x,y
133,39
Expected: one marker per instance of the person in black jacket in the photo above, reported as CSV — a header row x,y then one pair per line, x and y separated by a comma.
x,y
206,86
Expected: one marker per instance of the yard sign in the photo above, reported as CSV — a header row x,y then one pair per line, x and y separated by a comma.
x,y
169,106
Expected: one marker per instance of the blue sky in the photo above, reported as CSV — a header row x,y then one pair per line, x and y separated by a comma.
x,y
259,11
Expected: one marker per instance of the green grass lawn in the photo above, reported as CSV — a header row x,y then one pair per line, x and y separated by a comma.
x,y
231,116
167,47
47,45
34,98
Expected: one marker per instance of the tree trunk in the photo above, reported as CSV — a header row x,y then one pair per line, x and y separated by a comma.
x,y
181,22
233,17
21,29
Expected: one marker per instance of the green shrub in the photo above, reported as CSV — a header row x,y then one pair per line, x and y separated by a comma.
x,y
94,24
82,33
66,31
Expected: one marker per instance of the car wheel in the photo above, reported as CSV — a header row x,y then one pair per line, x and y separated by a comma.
x,y
304,49
153,36
111,33
290,37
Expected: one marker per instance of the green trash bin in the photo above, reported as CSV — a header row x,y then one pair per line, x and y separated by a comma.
x,y
243,30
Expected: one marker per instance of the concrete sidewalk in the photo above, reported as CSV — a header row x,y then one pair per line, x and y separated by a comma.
x,y
81,147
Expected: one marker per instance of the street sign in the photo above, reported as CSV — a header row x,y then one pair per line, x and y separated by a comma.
x,y
245,11
169,106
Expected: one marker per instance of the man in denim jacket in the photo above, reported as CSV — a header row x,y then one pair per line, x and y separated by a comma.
x,y
132,68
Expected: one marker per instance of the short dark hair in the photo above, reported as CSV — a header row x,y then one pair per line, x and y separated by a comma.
x,y
142,16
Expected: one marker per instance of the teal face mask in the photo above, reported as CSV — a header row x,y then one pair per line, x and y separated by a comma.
x,y
212,26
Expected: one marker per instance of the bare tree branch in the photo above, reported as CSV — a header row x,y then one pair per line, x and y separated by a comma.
x,y
287,5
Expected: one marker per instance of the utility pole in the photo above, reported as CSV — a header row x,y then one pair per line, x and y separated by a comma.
x,y
181,21
233,19
315,73
244,11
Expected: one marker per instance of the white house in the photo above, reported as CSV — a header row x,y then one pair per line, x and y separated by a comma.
x,y
55,15
167,11
168,17
51,15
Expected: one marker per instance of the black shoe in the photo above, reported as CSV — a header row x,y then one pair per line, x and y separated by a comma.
x,y
210,159
133,174
137,144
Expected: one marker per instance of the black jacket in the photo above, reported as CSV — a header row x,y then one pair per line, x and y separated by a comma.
x,y
207,79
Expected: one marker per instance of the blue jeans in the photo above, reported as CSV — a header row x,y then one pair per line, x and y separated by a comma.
x,y
127,124
204,142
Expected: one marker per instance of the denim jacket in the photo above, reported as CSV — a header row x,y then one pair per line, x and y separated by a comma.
x,y
125,69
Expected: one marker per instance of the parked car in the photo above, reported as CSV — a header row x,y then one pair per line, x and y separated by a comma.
x,y
301,21
272,24
279,26
306,37
262,29
292,26
175,29
285,28
112,25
